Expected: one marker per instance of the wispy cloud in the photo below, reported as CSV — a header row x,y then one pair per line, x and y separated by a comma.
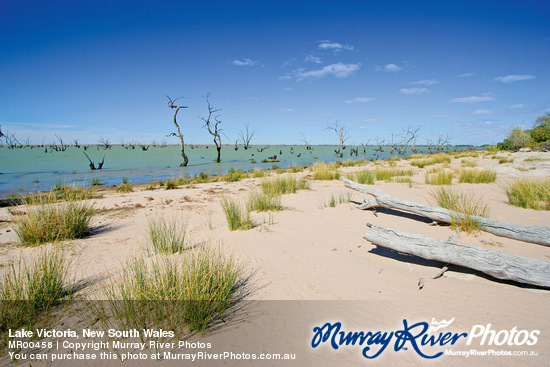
x,y
338,70
482,112
426,82
519,105
360,100
414,90
334,46
244,62
314,59
392,68
285,110
514,78
472,99
465,75
284,77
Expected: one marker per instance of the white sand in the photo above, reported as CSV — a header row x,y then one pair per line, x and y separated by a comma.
x,y
316,255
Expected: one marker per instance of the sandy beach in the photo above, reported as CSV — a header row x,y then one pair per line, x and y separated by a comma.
x,y
308,264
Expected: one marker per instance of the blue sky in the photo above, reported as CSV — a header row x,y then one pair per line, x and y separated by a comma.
x,y
86,69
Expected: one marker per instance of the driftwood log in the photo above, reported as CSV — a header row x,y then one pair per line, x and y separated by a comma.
x,y
495,263
528,233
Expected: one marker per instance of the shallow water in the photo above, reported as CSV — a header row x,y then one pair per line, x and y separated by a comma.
x,y
41,168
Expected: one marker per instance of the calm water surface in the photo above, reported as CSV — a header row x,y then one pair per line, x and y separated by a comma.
x,y
40,168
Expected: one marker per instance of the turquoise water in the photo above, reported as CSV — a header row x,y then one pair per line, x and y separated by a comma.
x,y
40,168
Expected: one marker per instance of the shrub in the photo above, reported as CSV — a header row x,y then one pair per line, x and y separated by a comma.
x,y
529,193
468,205
518,137
47,222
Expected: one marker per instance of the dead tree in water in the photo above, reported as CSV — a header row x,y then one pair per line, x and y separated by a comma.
x,y
172,104
342,133
92,164
306,142
213,127
246,137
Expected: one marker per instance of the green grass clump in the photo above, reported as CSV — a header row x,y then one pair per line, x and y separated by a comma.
x,y
363,177
431,160
260,202
476,176
96,182
468,205
441,177
284,185
530,193
62,193
234,175
323,171
30,290
184,293
258,173
468,163
296,169
167,236
338,199
46,222
387,174
237,217
502,160
171,185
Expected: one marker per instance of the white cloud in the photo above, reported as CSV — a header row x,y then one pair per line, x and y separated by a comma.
x,y
334,46
392,68
465,75
519,105
338,70
245,62
427,82
414,90
473,99
360,100
285,110
482,112
514,78
285,77
314,59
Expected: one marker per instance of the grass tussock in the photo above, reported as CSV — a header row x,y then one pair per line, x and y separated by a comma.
x,y
61,192
387,174
468,163
29,290
258,173
237,217
364,177
125,186
284,185
475,176
337,199
502,160
441,177
234,175
167,236
48,222
459,202
183,293
431,160
530,193
261,202
323,171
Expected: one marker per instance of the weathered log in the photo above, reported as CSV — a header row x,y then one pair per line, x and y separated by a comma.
x,y
498,264
11,202
529,233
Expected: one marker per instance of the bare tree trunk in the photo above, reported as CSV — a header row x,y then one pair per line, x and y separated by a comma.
x,y
528,233
171,104
495,263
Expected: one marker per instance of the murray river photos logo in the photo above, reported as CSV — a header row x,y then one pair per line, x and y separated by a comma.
x,y
425,339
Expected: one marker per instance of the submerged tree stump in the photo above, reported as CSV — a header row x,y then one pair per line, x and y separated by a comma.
x,y
495,263
529,233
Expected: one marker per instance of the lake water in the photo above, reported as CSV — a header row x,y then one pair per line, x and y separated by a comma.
x,y
40,168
